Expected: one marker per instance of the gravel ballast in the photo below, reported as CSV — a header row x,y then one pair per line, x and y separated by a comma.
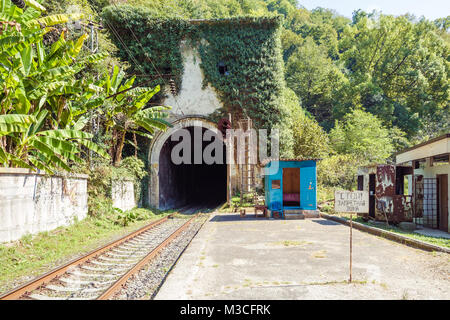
x,y
145,284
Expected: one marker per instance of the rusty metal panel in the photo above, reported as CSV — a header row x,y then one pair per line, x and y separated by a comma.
x,y
402,209
385,181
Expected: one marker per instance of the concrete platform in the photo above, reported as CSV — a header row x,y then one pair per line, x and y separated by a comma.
x,y
233,258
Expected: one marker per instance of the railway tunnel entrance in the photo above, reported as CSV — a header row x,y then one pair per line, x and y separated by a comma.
x,y
190,185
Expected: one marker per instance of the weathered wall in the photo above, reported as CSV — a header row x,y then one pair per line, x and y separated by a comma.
x,y
122,193
397,208
33,203
192,98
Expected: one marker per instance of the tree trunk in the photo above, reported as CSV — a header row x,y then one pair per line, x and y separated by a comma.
x,y
118,155
135,145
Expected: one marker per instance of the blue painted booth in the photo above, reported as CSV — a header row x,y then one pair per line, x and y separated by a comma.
x,y
291,185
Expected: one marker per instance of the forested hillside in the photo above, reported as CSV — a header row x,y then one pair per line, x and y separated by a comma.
x,y
395,68
357,90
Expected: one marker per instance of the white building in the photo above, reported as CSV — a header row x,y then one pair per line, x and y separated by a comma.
x,y
430,190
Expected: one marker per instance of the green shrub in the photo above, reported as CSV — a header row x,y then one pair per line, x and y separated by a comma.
x,y
125,217
338,171
101,176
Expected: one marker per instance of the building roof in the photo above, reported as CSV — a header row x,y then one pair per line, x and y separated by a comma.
x,y
269,160
430,148
447,135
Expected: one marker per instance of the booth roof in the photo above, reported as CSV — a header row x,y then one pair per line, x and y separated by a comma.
x,y
265,162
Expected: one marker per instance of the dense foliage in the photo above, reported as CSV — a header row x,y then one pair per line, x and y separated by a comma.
x,y
353,90
101,178
42,101
253,81
375,83
49,95
362,135
393,67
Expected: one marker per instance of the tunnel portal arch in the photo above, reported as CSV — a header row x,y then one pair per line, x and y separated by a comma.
x,y
159,144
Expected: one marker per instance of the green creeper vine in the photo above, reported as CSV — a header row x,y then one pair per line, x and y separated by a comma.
x,y
249,47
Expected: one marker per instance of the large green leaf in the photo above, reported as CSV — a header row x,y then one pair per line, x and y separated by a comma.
x,y
126,86
7,42
57,49
94,103
93,58
3,156
27,59
117,77
49,153
14,123
94,147
142,100
40,120
58,145
36,5
40,165
6,129
151,124
16,161
78,45
40,52
66,134
17,119
30,14
61,72
157,113
23,104
52,20
21,45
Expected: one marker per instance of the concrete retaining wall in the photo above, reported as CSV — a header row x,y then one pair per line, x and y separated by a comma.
x,y
33,202
123,195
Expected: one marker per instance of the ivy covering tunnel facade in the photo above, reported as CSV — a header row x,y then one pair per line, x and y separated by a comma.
x,y
240,57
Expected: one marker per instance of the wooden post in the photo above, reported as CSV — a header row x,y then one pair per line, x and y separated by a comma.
x,y
351,241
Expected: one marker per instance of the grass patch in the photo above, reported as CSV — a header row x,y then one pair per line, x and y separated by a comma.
x,y
237,205
327,283
319,254
290,243
35,254
442,242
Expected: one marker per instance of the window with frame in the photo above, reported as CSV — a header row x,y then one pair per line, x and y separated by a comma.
x,y
276,184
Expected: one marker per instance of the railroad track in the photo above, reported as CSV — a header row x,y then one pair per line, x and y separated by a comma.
x,y
102,272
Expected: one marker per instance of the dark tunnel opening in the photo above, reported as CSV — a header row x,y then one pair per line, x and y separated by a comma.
x,y
198,186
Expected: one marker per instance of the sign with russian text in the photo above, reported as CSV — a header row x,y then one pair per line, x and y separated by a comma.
x,y
351,201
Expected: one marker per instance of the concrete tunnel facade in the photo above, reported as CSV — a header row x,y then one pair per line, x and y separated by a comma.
x,y
170,186
173,186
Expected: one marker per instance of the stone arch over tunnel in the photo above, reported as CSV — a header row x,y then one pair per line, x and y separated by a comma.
x,y
175,186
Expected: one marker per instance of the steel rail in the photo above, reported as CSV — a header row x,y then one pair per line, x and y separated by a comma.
x,y
116,286
49,276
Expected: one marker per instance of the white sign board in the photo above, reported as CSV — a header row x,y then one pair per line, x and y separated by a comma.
x,y
351,201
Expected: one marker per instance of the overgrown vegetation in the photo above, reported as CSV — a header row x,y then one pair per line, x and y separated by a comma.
x,y
104,175
360,89
354,91
253,80
32,255
48,99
